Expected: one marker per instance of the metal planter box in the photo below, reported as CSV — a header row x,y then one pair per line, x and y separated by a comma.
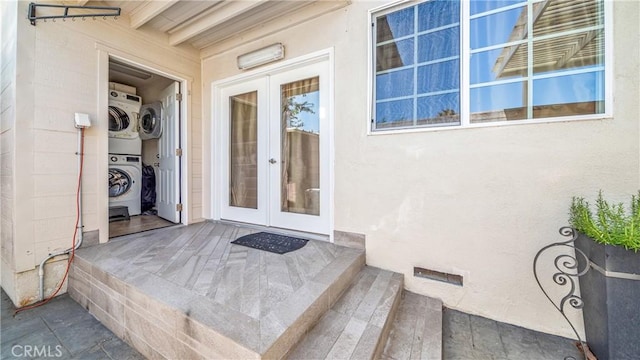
x,y
611,294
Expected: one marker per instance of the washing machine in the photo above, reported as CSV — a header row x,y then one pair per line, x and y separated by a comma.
x,y
151,121
124,110
125,181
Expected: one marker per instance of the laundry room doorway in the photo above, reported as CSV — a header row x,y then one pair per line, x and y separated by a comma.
x,y
144,149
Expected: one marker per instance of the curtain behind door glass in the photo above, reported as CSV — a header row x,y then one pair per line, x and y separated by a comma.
x,y
243,152
300,145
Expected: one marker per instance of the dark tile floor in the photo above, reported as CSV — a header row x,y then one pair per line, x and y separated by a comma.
x,y
63,329
59,329
468,337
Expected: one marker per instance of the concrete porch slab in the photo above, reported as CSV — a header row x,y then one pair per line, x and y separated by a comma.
x,y
186,292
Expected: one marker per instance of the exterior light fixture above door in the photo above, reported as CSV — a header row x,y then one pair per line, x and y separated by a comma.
x,y
261,56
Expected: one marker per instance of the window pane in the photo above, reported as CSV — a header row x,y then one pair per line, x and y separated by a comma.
x,y
243,172
480,6
578,94
394,25
555,70
439,77
568,15
394,84
498,28
300,147
439,44
581,50
499,102
436,13
394,114
499,64
395,54
439,109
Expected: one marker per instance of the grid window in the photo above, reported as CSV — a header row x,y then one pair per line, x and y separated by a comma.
x,y
519,60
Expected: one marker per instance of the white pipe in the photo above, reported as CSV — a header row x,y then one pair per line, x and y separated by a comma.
x,y
79,228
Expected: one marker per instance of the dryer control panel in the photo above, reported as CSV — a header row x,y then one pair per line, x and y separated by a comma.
x,y
124,159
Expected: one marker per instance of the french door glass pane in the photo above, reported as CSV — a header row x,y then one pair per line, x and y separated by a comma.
x,y
243,162
300,146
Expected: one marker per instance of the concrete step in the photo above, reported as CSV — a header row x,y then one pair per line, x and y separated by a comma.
x,y
416,332
357,326
128,285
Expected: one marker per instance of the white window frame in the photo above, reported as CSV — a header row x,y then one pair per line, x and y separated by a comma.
x,y
465,87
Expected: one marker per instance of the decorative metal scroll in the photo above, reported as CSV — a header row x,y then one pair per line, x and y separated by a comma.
x,y
566,276
82,12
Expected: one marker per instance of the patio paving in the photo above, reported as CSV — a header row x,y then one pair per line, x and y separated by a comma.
x,y
59,329
469,337
466,337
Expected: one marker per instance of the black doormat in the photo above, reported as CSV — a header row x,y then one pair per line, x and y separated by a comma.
x,y
274,243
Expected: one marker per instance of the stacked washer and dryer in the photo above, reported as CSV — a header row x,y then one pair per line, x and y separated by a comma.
x,y
130,122
125,151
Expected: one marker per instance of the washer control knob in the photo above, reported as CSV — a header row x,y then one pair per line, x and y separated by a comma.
x,y
114,158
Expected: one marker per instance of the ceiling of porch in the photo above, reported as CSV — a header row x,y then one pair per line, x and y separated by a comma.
x,y
205,23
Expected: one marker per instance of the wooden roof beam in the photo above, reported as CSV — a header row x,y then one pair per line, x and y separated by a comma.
x,y
148,11
210,19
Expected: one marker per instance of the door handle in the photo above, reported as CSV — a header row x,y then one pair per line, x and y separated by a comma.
x,y
272,161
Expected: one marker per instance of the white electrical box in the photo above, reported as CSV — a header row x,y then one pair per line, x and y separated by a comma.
x,y
82,120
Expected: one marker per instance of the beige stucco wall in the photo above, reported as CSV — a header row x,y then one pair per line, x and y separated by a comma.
x,y
475,202
60,68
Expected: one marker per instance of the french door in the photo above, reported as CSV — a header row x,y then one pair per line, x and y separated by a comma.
x,y
275,150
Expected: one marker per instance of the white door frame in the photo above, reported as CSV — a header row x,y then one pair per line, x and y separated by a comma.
x,y
104,52
217,133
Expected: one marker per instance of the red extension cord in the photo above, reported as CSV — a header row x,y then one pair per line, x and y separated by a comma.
x,y
75,233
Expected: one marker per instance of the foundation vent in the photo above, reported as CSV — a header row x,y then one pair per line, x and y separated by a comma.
x,y
437,276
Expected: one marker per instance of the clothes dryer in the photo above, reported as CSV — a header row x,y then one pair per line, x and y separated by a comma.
x,y
125,182
124,110
151,119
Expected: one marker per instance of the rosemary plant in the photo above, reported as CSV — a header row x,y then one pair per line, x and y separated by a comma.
x,y
611,224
